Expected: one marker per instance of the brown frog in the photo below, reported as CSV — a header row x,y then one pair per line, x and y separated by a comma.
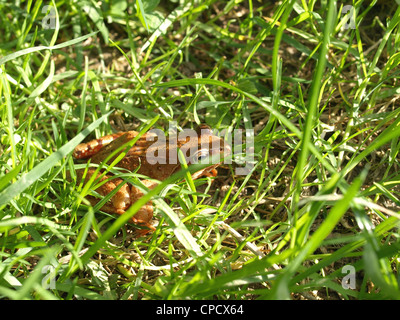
x,y
156,156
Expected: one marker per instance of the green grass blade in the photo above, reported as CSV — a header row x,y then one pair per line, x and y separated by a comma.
x,y
23,52
32,176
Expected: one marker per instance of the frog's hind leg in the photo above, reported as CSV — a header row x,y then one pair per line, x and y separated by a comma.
x,y
144,215
119,202
122,200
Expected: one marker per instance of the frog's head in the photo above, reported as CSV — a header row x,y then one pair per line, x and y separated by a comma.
x,y
203,146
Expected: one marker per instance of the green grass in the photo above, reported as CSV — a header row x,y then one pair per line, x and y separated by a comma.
x,y
320,98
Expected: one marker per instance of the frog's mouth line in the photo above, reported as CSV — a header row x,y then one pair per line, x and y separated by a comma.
x,y
205,172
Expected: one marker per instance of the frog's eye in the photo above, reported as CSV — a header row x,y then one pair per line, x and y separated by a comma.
x,y
200,156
